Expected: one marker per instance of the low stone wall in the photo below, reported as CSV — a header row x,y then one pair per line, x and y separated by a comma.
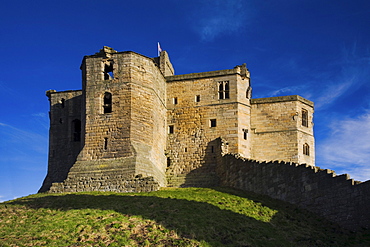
x,y
106,182
336,198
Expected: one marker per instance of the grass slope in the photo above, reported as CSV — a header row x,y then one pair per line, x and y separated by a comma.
x,y
169,217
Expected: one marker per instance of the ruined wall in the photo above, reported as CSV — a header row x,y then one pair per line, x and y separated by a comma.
x,y
277,130
65,134
336,198
196,116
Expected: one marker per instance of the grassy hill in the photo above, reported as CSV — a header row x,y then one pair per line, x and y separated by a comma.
x,y
169,217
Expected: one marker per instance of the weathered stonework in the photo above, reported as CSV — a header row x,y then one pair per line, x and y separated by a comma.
x,y
134,117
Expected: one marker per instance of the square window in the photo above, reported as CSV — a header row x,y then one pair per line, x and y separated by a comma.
x,y
212,123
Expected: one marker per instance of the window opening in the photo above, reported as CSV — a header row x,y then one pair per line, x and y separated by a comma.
x,y
168,162
107,104
105,143
76,129
197,98
306,149
186,149
213,123
245,134
223,90
248,93
304,117
175,101
108,71
63,102
170,129
212,149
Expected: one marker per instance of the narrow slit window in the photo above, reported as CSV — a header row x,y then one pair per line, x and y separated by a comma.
x,y
76,130
105,143
107,102
212,123
63,102
168,162
175,101
197,98
245,134
304,117
212,149
306,149
170,129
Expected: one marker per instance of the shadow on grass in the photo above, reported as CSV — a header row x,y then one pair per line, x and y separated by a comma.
x,y
197,220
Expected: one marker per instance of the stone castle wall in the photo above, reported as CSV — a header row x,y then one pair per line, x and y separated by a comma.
x,y
278,132
65,134
336,198
196,116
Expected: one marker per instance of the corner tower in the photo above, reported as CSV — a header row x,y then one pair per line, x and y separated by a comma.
x,y
123,121
124,115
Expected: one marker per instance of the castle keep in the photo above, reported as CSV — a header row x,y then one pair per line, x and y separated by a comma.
x,y
136,126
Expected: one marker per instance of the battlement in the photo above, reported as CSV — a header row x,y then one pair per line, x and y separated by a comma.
x,y
335,197
240,70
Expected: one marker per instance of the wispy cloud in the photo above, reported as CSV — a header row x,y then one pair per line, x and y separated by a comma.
x,y
217,17
347,148
20,141
354,71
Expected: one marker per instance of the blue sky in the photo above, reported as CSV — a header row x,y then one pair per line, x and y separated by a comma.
x,y
317,49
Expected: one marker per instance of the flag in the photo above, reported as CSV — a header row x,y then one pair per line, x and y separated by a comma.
x,y
159,49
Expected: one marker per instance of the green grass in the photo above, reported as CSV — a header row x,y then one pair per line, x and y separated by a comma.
x,y
169,217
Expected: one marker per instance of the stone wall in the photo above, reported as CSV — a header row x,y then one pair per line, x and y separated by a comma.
x,y
65,134
277,129
196,116
336,198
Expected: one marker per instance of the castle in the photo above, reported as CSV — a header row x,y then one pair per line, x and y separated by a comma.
x,y
136,126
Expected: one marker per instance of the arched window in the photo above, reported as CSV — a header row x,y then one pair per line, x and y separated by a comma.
x,y
306,149
223,90
76,130
304,117
107,102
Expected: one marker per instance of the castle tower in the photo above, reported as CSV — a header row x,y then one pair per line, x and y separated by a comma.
x,y
201,108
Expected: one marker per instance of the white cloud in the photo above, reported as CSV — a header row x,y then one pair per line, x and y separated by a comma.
x,y
219,17
347,149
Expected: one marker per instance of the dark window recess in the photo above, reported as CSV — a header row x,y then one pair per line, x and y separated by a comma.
x,y
63,102
248,93
223,90
108,71
175,101
304,117
107,102
105,143
170,129
197,98
212,149
212,123
168,162
76,130
186,149
245,134
306,149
